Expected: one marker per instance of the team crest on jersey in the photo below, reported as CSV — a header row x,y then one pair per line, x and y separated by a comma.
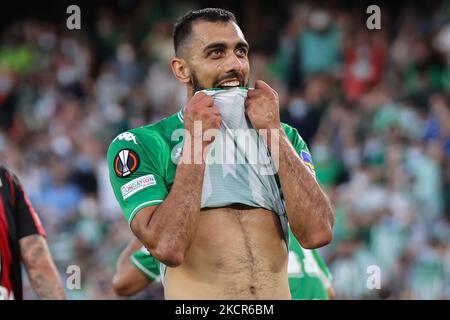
x,y
126,162
306,158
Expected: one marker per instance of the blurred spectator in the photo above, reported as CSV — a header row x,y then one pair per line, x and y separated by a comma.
x,y
364,57
320,44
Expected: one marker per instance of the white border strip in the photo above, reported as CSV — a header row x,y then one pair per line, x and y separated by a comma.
x,y
133,213
180,115
143,269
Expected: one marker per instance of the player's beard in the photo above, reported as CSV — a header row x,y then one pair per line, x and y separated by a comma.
x,y
196,84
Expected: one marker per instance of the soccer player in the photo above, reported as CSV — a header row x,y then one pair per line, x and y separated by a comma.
x,y
22,239
309,277
161,199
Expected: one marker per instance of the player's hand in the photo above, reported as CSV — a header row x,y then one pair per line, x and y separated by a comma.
x,y
200,116
262,107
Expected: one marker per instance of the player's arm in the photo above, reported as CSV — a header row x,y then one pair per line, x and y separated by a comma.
x,y
40,268
164,222
34,251
167,230
128,280
309,210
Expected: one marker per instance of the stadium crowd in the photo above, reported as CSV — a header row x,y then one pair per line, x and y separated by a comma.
x,y
373,106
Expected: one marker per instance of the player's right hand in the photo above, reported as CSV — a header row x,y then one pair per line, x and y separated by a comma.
x,y
200,115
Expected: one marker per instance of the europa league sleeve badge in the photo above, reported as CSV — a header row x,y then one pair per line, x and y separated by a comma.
x,y
125,163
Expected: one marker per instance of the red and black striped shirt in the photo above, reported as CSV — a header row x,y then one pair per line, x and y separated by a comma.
x,y
18,219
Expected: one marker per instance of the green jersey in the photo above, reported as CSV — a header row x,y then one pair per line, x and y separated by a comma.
x,y
142,164
146,263
309,277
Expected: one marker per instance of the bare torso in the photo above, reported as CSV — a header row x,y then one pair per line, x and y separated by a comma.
x,y
238,253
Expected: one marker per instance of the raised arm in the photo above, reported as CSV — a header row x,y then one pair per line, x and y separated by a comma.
x,y
309,211
163,218
167,230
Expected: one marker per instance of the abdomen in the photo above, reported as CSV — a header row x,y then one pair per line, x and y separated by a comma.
x,y
238,253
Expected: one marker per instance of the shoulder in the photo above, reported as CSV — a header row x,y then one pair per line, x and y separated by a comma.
x,y
150,139
300,146
9,175
288,129
138,136
140,142
294,136
3,171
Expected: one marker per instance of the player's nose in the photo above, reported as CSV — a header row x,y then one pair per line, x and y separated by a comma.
x,y
233,63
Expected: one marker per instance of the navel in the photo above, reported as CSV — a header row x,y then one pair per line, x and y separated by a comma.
x,y
252,290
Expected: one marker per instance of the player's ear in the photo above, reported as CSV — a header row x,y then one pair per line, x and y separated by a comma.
x,y
181,70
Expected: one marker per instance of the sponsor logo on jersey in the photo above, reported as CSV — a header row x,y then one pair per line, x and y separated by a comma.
x,y
127,136
126,162
307,160
136,185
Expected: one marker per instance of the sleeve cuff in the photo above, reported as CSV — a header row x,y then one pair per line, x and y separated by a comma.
x,y
139,207
150,275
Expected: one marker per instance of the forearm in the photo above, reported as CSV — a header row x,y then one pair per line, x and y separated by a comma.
x,y
173,225
308,208
128,280
309,211
40,268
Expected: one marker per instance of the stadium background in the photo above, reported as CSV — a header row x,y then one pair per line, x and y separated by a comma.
x,y
372,105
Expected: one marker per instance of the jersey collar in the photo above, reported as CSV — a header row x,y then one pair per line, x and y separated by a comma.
x,y
180,114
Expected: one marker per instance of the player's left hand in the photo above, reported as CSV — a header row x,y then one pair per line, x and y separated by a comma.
x,y
262,107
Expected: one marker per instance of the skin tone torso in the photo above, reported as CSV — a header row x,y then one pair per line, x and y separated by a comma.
x,y
238,252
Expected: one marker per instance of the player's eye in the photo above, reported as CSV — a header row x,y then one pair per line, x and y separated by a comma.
x,y
241,52
217,53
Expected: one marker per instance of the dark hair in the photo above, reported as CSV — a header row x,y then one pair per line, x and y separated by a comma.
x,y
183,27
